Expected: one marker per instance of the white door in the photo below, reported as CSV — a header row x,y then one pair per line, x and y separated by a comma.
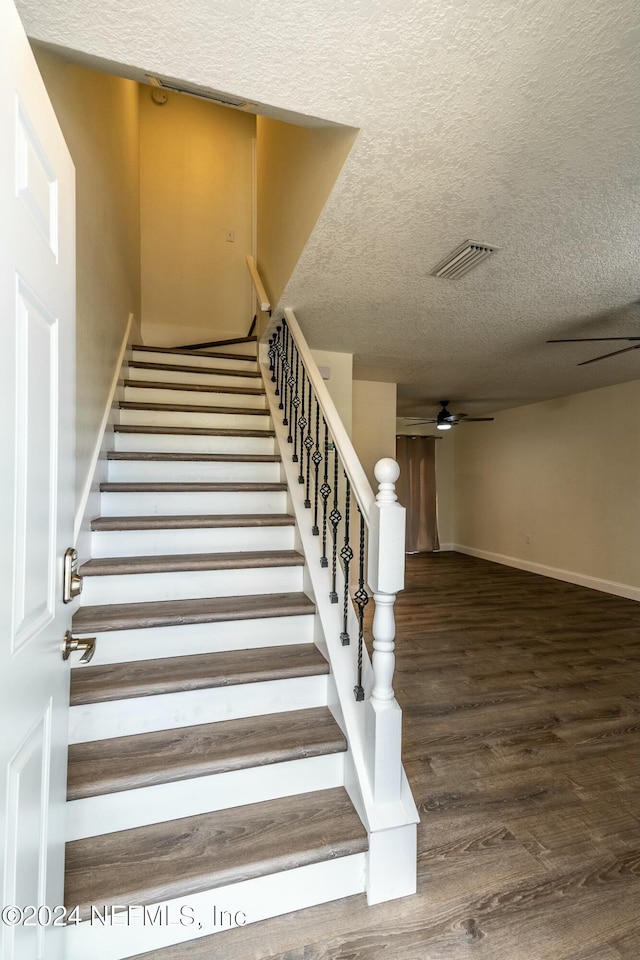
x,y
37,372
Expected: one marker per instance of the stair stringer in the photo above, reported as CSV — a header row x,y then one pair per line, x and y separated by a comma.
x,y
89,502
391,827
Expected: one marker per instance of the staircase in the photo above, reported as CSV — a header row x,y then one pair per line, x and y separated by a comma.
x,y
206,771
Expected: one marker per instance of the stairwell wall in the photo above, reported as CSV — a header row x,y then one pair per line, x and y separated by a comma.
x,y
196,185
98,114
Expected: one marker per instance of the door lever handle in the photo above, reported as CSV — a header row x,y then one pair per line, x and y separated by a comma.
x,y
71,643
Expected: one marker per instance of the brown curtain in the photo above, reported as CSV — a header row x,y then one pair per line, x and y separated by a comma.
x,y
416,490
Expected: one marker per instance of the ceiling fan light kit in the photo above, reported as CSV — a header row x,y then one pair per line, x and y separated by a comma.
x,y
445,419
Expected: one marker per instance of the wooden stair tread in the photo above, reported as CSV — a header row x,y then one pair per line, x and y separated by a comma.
x,y
199,457
166,756
193,387
191,353
170,860
192,487
194,522
169,563
167,613
146,678
218,343
184,368
191,408
191,431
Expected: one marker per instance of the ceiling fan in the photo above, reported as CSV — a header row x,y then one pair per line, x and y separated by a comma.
x,y
445,420
614,353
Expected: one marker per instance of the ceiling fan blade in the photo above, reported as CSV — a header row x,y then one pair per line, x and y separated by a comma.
x,y
590,339
636,346
478,419
418,420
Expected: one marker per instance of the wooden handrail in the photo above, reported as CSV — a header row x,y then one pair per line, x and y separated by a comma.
x,y
263,299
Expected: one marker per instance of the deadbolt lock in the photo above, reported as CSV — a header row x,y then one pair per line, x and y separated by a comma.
x,y
71,579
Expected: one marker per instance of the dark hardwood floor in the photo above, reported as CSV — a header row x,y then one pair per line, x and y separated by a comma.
x,y
521,744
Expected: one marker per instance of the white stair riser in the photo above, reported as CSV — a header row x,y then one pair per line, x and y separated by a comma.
x,y
178,418
123,718
177,443
122,646
188,798
214,911
190,585
148,356
139,543
181,376
161,504
204,398
179,471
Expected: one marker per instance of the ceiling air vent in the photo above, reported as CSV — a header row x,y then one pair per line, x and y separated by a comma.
x,y
463,258
203,93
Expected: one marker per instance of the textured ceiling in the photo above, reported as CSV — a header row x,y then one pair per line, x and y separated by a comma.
x,y
509,123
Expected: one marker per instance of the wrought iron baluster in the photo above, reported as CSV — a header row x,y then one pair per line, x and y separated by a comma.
x,y
296,404
308,444
280,384
272,353
285,370
335,517
275,358
325,491
291,382
276,363
346,554
361,598
302,422
317,460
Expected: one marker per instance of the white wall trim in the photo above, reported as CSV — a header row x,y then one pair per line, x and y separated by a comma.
x,y
569,576
93,479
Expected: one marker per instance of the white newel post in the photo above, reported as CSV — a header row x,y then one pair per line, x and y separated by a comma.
x,y
385,577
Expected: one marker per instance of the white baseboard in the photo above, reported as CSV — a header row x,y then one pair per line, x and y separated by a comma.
x,y
88,505
569,576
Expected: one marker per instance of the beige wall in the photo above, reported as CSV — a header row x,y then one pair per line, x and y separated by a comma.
x,y
98,114
196,183
445,488
556,484
340,382
374,423
296,170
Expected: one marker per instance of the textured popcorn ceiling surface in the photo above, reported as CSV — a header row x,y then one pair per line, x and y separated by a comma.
x,y
510,122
